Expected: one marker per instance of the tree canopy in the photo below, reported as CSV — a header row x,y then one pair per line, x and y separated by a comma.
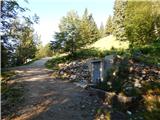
x,y
17,34
136,21
75,32
141,21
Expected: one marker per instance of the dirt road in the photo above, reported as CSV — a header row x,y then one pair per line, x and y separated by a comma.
x,y
52,99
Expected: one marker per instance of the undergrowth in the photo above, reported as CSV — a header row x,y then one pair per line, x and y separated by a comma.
x,y
80,55
11,94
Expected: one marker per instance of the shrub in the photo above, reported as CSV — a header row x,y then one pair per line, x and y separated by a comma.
x,y
118,74
103,86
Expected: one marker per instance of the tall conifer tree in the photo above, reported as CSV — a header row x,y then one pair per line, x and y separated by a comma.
x,y
118,19
109,26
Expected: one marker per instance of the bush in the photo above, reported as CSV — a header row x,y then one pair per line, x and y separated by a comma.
x,y
118,74
148,54
78,55
87,53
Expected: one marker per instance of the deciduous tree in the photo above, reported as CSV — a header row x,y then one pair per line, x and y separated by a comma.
x,y
15,34
142,22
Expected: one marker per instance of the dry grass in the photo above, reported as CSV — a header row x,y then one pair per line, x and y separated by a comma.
x,y
152,99
109,42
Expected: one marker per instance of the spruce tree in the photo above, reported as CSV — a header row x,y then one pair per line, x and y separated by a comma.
x,y
109,27
88,28
118,19
75,32
95,35
85,31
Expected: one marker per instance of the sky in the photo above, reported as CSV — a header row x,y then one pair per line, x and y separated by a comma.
x,y
51,12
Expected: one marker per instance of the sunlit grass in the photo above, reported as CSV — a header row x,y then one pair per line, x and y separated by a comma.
x,y
109,42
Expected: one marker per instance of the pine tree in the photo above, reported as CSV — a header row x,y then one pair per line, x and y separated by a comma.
x,y
85,30
95,35
118,19
88,28
109,27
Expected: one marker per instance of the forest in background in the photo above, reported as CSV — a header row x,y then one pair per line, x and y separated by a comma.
x,y
133,21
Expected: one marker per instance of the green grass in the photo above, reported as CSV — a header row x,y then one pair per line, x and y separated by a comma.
x,y
80,55
5,76
12,97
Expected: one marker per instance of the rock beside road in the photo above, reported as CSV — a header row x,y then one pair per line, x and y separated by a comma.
x,y
75,71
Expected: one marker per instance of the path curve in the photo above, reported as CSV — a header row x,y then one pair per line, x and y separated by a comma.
x,y
40,63
52,99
